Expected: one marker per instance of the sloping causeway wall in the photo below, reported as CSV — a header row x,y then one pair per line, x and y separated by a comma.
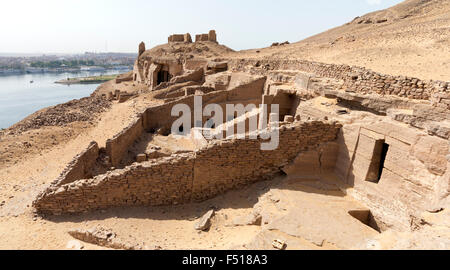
x,y
358,79
183,178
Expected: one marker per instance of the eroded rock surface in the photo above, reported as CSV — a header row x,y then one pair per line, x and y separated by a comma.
x,y
105,238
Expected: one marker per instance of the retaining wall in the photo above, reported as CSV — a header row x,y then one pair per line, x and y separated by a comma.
x,y
80,166
183,178
229,164
358,79
117,147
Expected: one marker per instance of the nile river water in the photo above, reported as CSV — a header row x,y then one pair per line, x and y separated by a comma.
x,y
20,98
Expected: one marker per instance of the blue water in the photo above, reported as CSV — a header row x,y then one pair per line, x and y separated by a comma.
x,y
20,98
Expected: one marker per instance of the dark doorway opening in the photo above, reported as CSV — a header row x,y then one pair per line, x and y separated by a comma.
x,y
378,160
289,106
181,129
384,153
163,76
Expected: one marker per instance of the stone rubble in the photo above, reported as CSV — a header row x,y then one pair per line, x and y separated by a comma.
x,y
205,221
105,238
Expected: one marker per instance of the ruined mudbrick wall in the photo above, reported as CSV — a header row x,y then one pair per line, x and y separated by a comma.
x,y
360,80
229,164
162,182
187,177
80,166
245,93
117,146
159,117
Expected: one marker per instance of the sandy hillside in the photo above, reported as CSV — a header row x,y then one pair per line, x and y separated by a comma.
x,y
411,39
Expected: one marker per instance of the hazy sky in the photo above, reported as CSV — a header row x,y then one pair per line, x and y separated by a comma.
x,y
72,26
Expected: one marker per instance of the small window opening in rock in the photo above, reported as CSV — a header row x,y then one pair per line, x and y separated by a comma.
x,y
181,129
366,217
378,160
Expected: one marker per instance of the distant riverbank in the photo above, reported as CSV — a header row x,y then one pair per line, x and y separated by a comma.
x,y
7,72
88,80
20,98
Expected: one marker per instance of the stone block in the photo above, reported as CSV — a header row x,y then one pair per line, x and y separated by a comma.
x,y
305,165
205,222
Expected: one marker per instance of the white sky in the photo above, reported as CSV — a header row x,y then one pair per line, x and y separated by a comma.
x,y
75,26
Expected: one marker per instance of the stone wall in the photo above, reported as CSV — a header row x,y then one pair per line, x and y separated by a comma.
x,y
80,166
117,147
211,36
159,117
317,164
180,38
183,178
162,182
201,37
194,63
176,38
357,79
229,164
242,87
197,75
183,92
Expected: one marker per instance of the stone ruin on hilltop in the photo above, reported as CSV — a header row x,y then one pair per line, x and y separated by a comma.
x,y
211,36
